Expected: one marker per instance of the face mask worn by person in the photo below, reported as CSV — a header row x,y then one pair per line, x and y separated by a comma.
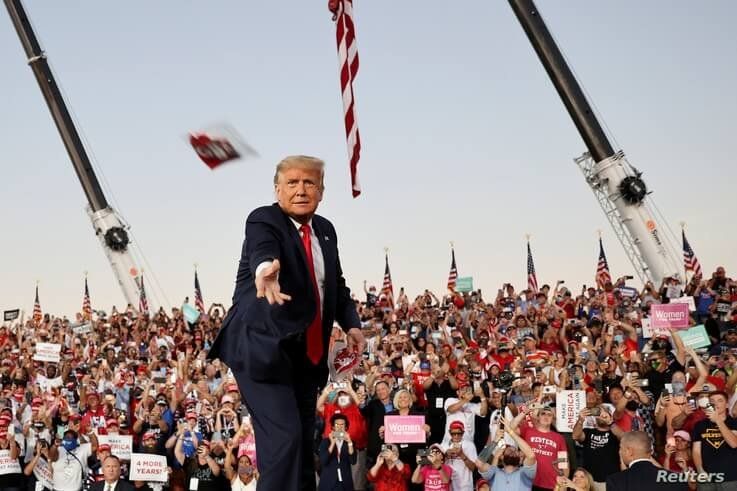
x,y
69,444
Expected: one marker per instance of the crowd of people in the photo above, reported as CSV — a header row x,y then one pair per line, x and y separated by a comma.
x,y
485,373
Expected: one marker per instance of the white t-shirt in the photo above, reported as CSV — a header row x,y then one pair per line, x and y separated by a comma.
x,y
462,478
466,416
237,485
69,471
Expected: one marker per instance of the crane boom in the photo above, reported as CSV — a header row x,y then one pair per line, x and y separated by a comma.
x,y
108,225
617,185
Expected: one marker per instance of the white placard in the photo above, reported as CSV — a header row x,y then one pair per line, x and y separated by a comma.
x,y
120,445
687,299
8,465
148,467
82,328
648,331
47,352
568,403
42,471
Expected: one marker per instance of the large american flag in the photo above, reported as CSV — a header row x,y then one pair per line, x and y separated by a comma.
x,y
531,277
198,302
37,314
453,275
142,300
345,34
387,288
86,303
602,268
690,261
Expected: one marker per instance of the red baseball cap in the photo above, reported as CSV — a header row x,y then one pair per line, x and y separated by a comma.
x,y
75,417
231,388
149,435
457,425
103,447
112,422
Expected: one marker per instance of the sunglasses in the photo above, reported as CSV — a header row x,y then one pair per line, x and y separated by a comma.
x,y
456,432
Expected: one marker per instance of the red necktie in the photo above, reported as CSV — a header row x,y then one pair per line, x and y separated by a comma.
x,y
314,331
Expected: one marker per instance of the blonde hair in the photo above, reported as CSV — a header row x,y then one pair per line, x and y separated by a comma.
x,y
395,401
301,161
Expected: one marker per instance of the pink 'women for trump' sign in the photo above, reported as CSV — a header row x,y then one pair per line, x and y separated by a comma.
x,y
404,429
669,315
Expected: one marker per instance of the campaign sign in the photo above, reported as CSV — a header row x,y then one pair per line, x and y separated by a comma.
x,y
148,467
8,465
120,445
47,352
11,315
669,315
695,337
464,284
404,429
42,471
82,328
191,314
568,403
649,332
687,300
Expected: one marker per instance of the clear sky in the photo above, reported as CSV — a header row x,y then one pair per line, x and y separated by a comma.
x,y
464,137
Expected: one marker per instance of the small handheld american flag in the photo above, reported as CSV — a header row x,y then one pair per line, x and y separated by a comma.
x,y
602,268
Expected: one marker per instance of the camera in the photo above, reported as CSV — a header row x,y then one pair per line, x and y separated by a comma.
x,y
595,411
550,389
422,454
339,435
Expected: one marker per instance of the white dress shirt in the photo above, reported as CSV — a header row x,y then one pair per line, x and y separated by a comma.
x,y
318,260
109,486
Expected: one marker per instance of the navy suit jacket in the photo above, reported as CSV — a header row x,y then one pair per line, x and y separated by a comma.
x,y
644,475
253,334
330,462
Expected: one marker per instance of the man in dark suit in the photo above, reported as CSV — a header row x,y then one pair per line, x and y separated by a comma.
x,y
112,482
635,451
289,290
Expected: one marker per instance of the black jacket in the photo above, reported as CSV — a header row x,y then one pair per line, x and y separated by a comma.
x,y
644,475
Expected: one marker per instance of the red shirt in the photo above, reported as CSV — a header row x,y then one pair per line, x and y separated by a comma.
x,y
546,446
417,380
391,479
93,419
356,423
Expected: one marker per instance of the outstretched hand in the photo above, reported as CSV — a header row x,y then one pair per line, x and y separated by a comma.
x,y
267,284
356,339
